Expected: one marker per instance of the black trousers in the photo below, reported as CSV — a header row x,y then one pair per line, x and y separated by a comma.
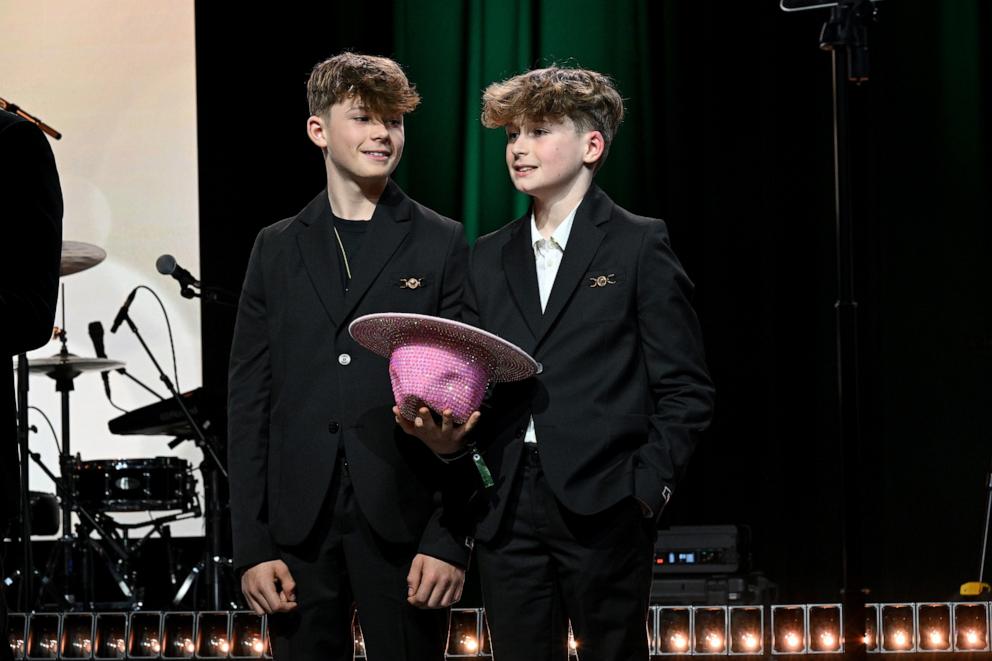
x,y
344,565
548,567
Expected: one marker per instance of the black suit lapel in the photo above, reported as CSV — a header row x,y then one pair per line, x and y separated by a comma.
x,y
583,242
321,256
387,230
521,274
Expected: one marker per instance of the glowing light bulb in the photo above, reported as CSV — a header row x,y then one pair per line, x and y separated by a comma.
x,y
572,644
972,637
828,640
83,645
470,644
257,646
792,640
714,641
679,641
900,638
749,641
936,638
224,646
189,646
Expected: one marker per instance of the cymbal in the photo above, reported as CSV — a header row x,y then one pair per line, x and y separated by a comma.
x,y
78,256
71,365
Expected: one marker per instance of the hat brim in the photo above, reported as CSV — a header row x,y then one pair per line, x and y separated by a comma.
x,y
382,332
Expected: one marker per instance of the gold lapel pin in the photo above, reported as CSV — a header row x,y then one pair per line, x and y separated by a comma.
x,y
410,283
603,280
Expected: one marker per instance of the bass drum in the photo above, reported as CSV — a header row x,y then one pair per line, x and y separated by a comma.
x,y
135,485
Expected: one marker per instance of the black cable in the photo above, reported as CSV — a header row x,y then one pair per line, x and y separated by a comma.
x,y
112,403
172,344
55,436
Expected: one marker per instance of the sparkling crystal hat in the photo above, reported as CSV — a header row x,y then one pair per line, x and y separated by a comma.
x,y
440,363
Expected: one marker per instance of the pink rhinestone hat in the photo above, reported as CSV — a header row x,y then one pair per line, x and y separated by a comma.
x,y
440,363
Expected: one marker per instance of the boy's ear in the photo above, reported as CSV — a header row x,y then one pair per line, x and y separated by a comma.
x,y
594,147
317,131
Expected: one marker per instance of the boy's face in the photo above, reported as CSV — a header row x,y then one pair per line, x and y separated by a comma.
x,y
546,157
359,146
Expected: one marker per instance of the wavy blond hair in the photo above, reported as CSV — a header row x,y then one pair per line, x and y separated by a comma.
x,y
588,98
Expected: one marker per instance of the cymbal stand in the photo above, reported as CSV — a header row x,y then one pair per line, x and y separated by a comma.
x,y
64,376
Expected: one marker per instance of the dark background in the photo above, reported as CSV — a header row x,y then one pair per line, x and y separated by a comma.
x,y
729,138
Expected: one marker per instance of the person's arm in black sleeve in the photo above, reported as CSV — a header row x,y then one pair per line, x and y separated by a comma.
x,y
249,384
680,385
32,210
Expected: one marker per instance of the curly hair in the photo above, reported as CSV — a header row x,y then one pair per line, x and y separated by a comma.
x,y
378,82
588,98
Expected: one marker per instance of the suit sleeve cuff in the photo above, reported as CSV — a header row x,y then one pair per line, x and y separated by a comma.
x,y
651,492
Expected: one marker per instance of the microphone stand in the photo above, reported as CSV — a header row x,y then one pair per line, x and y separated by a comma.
x,y
211,486
215,295
123,371
845,35
201,439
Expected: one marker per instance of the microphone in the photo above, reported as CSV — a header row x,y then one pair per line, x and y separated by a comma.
x,y
166,265
96,334
122,313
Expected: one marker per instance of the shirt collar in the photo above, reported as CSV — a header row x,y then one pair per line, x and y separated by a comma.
x,y
561,233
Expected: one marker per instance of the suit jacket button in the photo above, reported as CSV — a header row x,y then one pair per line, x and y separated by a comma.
x,y
333,426
344,359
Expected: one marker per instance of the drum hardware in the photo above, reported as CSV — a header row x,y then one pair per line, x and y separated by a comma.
x,y
63,368
109,546
214,566
135,485
44,513
93,489
164,482
213,562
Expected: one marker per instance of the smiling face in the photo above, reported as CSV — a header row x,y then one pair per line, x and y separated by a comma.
x,y
359,145
547,158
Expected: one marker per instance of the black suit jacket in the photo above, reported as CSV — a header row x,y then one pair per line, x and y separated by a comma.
x,y
300,387
31,202
624,391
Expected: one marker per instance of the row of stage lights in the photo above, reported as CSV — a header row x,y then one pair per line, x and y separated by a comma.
x,y
671,631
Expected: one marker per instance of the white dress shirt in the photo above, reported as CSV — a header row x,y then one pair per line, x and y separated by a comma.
x,y
547,259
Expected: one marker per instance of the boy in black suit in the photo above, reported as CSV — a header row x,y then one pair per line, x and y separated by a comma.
x,y
332,504
585,455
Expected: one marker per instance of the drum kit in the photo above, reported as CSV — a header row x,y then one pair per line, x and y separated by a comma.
x,y
164,487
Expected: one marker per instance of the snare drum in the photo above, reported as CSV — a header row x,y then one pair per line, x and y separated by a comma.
x,y
134,485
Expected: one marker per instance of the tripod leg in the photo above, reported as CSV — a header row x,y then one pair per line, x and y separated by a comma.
x,y
194,574
46,581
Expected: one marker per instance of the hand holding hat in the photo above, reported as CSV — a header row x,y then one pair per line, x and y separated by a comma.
x,y
447,438
443,366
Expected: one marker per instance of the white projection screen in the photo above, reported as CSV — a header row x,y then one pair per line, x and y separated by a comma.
x,y
117,78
